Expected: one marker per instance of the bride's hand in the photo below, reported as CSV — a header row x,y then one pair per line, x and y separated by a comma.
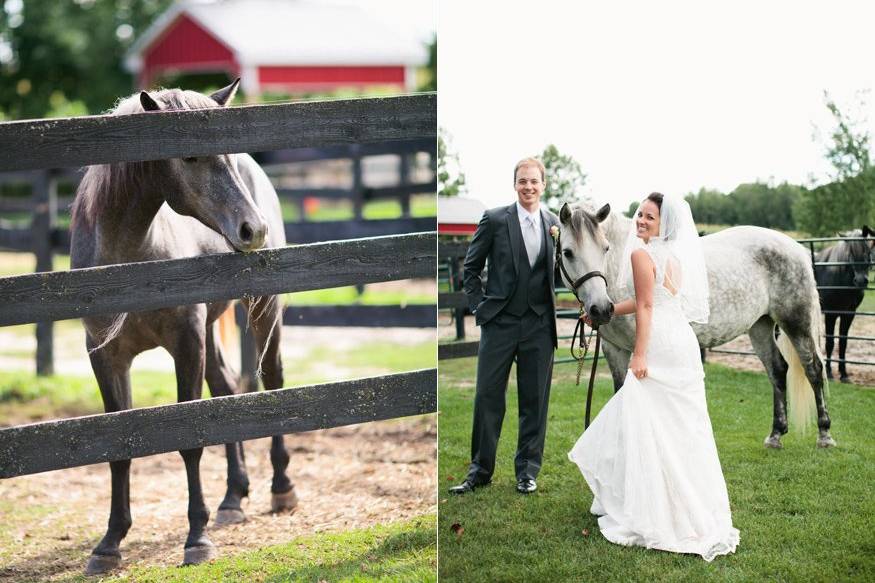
x,y
638,366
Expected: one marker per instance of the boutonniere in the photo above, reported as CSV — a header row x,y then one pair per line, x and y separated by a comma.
x,y
554,232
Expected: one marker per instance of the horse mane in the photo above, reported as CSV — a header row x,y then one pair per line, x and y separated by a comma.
x,y
106,185
583,217
846,250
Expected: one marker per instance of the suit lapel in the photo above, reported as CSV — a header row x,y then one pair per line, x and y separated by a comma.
x,y
516,235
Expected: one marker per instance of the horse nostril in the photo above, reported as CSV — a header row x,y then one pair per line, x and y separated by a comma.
x,y
610,308
245,233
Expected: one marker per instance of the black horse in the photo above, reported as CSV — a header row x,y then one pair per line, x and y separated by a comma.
x,y
854,277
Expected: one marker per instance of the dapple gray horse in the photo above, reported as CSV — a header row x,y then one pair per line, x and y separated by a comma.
x,y
166,209
758,278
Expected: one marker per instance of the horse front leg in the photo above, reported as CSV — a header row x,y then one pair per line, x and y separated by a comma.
x,y
267,328
189,355
222,381
830,321
112,371
618,362
844,327
762,337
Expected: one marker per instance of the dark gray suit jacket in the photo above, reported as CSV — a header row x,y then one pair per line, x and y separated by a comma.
x,y
498,238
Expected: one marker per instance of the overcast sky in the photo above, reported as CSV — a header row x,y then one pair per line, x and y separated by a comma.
x,y
668,96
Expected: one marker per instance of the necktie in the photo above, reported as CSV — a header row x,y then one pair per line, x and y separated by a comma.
x,y
533,242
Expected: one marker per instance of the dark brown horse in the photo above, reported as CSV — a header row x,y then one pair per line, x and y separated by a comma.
x,y
853,277
166,209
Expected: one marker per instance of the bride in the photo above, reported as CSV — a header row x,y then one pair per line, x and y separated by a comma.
x,y
649,456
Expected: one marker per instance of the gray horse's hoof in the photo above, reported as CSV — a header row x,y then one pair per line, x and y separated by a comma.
x,y
229,516
199,554
99,564
773,442
826,441
285,501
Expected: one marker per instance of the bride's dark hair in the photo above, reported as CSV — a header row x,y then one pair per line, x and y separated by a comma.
x,y
655,197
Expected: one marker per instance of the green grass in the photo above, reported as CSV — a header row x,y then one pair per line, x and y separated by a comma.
x,y
349,295
403,551
805,514
327,210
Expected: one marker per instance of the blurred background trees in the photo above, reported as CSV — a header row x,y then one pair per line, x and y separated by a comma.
x,y
65,58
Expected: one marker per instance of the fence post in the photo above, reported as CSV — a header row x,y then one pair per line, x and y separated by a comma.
x,y
404,175
45,202
358,191
455,279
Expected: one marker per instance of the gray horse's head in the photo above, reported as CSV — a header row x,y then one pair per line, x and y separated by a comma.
x,y
208,188
582,249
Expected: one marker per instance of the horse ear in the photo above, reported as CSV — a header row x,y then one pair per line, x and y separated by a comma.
x,y
564,214
867,232
225,95
603,213
148,103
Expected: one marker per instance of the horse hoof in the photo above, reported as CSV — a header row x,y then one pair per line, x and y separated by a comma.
x,y
199,554
773,442
845,379
229,516
99,564
826,441
284,501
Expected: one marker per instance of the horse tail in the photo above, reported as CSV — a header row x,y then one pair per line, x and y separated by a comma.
x,y
801,403
110,332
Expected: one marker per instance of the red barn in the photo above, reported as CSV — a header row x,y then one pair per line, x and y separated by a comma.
x,y
458,215
284,46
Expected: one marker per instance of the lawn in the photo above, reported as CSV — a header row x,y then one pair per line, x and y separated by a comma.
x,y
804,513
403,551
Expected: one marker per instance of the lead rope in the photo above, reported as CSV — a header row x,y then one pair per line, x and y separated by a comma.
x,y
580,357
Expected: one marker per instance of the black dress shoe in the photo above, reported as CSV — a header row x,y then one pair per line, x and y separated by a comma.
x,y
467,486
526,486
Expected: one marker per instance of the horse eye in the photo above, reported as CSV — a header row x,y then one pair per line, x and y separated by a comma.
x,y
607,248
568,254
191,159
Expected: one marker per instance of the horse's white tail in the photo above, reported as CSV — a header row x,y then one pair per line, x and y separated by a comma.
x,y
802,413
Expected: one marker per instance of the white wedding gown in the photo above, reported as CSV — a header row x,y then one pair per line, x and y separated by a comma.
x,y
649,456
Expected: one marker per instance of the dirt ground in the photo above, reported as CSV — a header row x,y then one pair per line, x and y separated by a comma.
x,y
345,478
862,351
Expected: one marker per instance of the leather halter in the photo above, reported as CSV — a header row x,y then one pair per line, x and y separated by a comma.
x,y
575,283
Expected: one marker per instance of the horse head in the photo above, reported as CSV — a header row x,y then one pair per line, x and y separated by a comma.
x,y
208,188
581,254
859,253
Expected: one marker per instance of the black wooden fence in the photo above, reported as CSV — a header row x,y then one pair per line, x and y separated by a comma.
x,y
44,236
147,286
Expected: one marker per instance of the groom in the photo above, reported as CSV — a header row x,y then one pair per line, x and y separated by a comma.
x,y
517,320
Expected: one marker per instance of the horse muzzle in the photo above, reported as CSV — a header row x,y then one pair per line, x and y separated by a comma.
x,y
600,314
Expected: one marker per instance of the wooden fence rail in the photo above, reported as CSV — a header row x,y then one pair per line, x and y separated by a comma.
x,y
68,443
79,141
152,285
